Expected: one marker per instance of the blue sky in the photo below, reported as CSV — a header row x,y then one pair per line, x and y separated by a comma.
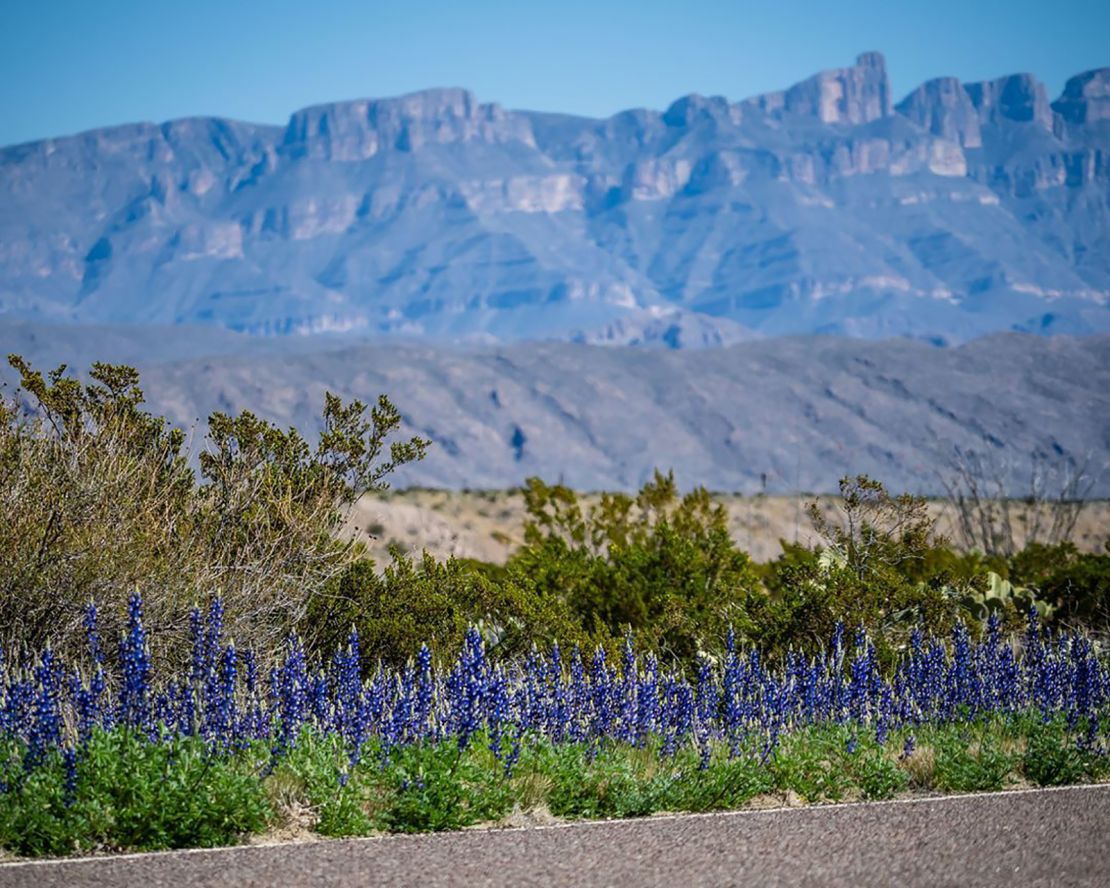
x,y
69,65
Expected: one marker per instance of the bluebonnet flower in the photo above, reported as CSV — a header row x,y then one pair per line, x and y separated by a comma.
x,y
92,634
744,703
425,692
46,727
134,695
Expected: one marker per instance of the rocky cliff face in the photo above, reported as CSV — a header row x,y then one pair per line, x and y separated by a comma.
x,y
1019,97
963,209
353,131
944,108
1086,98
853,95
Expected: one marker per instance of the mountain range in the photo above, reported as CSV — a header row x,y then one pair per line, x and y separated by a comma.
x,y
960,210
782,414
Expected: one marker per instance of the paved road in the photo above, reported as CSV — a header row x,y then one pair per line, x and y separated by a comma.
x,y
1044,837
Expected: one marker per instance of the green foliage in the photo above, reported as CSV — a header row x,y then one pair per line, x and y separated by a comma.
x,y
659,563
968,761
877,775
97,500
812,765
832,763
1053,757
1011,603
876,535
725,784
131,795
435,788
871,572
415,602
1079,590
608,783
1069,586
134,795
394,612
415,788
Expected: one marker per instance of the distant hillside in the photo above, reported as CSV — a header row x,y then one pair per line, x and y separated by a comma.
x,y
800,411
963,209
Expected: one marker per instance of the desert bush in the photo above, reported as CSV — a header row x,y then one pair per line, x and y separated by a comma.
x,y
423,601
970,760
395,611
990,520
98,499
871,569
1079,589
660,563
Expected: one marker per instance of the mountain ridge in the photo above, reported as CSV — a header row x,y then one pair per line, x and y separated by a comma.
x,y
827,207
775,415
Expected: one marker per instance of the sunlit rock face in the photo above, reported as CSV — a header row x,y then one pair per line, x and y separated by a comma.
x,y
1019,97
962,209
858,94
944,108
1086,98
350,131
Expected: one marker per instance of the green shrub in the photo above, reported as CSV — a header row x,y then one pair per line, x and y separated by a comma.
x,y
434,788
415,602
1053,758
1079,590
971,763
877,776
131,795
870,572
725,784
97,500
606,783
812,764
659,563
394,612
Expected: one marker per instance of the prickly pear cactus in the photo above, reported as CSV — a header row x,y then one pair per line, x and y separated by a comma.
x,y
1000,595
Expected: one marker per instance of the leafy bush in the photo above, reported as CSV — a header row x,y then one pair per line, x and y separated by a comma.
x,y
967,763
660,564
1079,590
870,572
126,793
1052,756
97,500
415,602
877,776
393,612
438,787
810,764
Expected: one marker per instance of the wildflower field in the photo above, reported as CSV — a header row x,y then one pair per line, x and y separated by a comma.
x,y
108,753
628,658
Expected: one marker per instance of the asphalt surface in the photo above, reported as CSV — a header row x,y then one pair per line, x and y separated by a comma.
x,y
1042,837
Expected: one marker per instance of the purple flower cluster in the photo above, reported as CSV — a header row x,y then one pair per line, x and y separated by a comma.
x,y
738,704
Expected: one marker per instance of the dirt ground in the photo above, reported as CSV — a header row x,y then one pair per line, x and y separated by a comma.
x,y
488,525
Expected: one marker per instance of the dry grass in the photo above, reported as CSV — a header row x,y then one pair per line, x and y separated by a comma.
x,y
294,820
461,523
921,767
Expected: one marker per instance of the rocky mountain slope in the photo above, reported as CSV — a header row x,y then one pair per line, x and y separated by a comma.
x,y
964,208
789,414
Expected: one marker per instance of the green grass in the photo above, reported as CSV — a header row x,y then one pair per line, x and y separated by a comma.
x,y
134,795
